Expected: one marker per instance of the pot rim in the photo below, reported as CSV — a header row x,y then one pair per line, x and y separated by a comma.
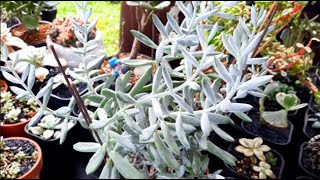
x,y
38,148
290,126
4,84
16,124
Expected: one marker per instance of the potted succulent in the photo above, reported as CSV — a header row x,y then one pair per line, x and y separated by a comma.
x,y
76,39
311,124
31,30
15,114
49,128
255,160
271,122
162,129
49,10
309,157
21,158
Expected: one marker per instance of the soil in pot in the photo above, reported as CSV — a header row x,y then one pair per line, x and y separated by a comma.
x,y
29,155
243,168
305,159
308,130
37,37
280,136
121,69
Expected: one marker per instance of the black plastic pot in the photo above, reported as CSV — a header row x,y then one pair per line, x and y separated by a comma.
x,y
35,45
312,106
303,165
49,15
57,101
267,132
229,171
307,129
41,138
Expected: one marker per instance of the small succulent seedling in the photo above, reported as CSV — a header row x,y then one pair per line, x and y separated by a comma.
x,y
264,170
49,127
279,118
250,147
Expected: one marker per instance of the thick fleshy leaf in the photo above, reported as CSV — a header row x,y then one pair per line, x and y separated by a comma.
x,y
124,141
224,155
165,153
96,160
125,168
106,171
222,133
169,139
208,91
205,124
181,133
255,82
87,147
144,39
10,77
243,116
222,71
159,26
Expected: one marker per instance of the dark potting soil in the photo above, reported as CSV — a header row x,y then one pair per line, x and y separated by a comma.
x,y
64,91
305,162
15,146
244,164
265,131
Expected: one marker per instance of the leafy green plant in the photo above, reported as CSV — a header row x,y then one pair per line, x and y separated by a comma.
x,y
27,11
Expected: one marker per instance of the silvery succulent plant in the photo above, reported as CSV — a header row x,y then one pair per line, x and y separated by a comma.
x,y
161,129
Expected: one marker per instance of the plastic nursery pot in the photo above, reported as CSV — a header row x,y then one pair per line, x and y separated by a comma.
x,y
14,130
41,138
43,36
34,172
62,96
4,84
275,135
312,105
49,15
304,165
231,172
307,129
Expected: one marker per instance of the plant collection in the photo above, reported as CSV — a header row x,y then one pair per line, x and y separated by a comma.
x,y
246,80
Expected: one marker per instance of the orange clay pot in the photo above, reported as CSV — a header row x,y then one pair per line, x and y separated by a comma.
x,y
34,172
14,130
4,84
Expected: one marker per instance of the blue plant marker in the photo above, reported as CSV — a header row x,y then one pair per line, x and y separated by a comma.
x,y
116,72
124,68
113,62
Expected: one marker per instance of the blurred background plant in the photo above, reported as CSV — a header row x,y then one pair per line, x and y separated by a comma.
x,y
108,23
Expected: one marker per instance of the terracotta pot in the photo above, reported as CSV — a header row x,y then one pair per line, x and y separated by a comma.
x,y
4,84
34,172
14,130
